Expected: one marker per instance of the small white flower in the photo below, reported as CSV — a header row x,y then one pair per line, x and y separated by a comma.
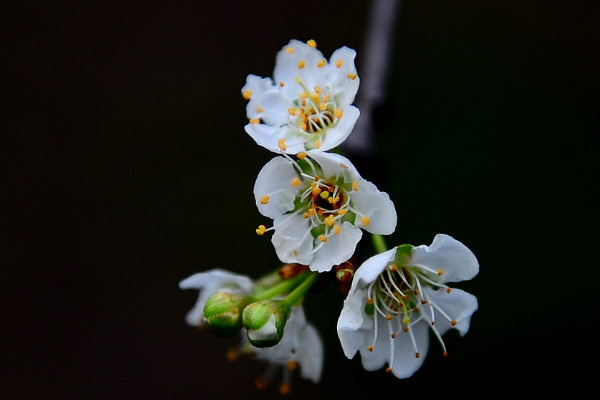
x,y
308,104
208,283
396,296
319,204
301,347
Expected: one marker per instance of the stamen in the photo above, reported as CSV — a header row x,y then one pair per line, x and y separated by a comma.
x,y
321,63
352,76
261,230
337,229
323,238
301,64
292,111
247,93
311,43
255,121
338,113
318,143
339,63
301,156
264,199
289,50
365,220
296,182
281,144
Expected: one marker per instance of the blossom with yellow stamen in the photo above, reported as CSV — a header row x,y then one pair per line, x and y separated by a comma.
x,y
308,103
318,210
397,296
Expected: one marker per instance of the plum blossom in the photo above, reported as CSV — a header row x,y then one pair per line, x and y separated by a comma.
x,y
399,295
319,205
308,102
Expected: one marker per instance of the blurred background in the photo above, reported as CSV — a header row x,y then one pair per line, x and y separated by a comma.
x,y
126,168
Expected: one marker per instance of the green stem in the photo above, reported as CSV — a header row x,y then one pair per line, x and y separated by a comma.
x,y
301,290
284,286
379,243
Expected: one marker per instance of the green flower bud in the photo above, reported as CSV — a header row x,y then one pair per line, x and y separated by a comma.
x,y
265,321
223,313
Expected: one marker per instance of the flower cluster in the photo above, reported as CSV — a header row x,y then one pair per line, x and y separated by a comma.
x,y
319,206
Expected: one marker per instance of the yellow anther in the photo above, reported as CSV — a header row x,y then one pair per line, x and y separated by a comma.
x,y
322,106
295,252
343,166
247,93
296,182
440,272
301,156
337,229
329,220
317,89
326,97
261,229
370,348
304,104
303,126
281,144
324,195
255,121
339,62
365,220
388,317
312,211
285,389
318,143
264,199
388,369
292,111
292,365
315,96
311,43
370,301
321,63
232,355
417,355
338,113
448,290
394,268
303,95
342,211
316,191
306,215
281,84
323,238
453,322
259,109
352,76
333,200
301,64
355,185
289,50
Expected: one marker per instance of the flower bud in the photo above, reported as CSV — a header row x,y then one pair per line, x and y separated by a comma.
x,y
265,321
223,313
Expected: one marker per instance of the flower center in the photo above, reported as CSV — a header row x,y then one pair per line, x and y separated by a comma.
x,y
397,295
315,110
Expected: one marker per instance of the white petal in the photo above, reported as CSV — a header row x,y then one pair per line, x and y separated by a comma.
x,y
338,249
292,239
265,135
372,268
274,108
257,85
377,206
458,305
287,68
275,180
354,326
449,255
346,88
310,355
334,164
336,135
405,362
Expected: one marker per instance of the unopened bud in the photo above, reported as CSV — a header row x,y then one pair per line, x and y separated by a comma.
x,y
223,313
265,321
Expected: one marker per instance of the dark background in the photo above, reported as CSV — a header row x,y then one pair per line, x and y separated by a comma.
x,y
126,168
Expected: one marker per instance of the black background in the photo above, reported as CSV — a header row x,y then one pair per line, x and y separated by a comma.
x,y
126,168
